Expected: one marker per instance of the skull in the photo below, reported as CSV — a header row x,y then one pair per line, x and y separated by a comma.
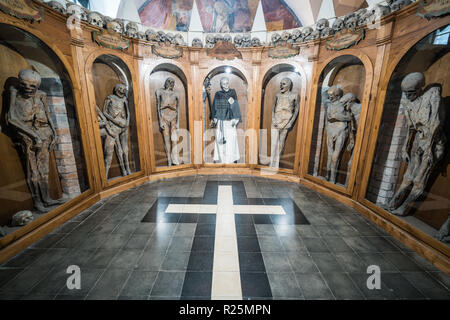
x,y
197,43
161,36
238,40
170,37
217,38
335,93
313,35
285,36
210,39
132,29
380,11
412,85
141,35
256,42
77,11
114,26
106,20
227,38
364,18
306,32
276,38
296,34
29,82
396,5
55,5
179,40
246,40
95,19
322,24
360,13
338,24
21,218
326,32
151,35
351,23
121,23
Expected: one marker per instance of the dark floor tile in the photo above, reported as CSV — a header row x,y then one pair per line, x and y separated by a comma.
x,y
243,219
101,258
8,274
203,244
180,244
276,262
24,259
379,260
306,231
109,285
382,244
262,219
49,241
255,285
201,261
313,286
189,218
359,244
207,218
185,230
50,258
204,229
326,262
158,243
168,284
197,284
351,262
245,230
251,262
443,278
401,261
342,286
140,283
248,244
25,281
401,287
145,228
427,285
115,241
421,262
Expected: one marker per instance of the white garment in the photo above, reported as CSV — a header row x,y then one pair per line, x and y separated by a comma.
x,y
228,152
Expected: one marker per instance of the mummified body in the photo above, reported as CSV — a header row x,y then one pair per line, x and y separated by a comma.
x,y
29,116
425,144
114,122
167,101
284,114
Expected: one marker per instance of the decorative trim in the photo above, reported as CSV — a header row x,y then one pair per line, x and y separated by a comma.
x,y
433,8
167,50
22,9
224,51
345,39
110,39
283,50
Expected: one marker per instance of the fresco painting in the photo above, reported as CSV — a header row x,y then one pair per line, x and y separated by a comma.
x,y
279,16
166,14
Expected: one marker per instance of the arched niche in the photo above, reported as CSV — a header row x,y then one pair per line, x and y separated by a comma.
x,y
107,72
270,88
64,163
181,144
332,148
211,85
430,56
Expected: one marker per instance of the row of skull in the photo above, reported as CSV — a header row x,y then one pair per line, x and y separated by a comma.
x,y
322,29
352,20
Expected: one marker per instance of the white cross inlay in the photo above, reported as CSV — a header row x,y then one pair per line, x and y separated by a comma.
x,y
226,283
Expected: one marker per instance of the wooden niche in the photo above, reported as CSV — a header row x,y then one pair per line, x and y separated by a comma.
x,y
347,73
107,72
239,83
67,169
157,80
270,88
431,56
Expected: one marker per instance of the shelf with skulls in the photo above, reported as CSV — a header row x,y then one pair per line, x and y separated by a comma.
x,y
322,28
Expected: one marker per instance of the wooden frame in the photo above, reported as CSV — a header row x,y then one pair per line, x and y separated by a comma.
x,y
367,63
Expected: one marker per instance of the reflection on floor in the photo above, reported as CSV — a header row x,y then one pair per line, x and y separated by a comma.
x,y
220,237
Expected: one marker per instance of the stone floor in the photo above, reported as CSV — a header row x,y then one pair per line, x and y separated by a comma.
x,y
132,246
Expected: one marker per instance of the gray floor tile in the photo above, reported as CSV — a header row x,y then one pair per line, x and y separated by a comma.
x,y
384,293
314,287
109,285
326,262
125,259
175,261
140,283
342,286
89,278
400,286
270,244
428,286
276,262
25,281
302,262
402,262
284,285
168,284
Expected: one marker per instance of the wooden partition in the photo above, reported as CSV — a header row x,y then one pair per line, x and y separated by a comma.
x,y
256,81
